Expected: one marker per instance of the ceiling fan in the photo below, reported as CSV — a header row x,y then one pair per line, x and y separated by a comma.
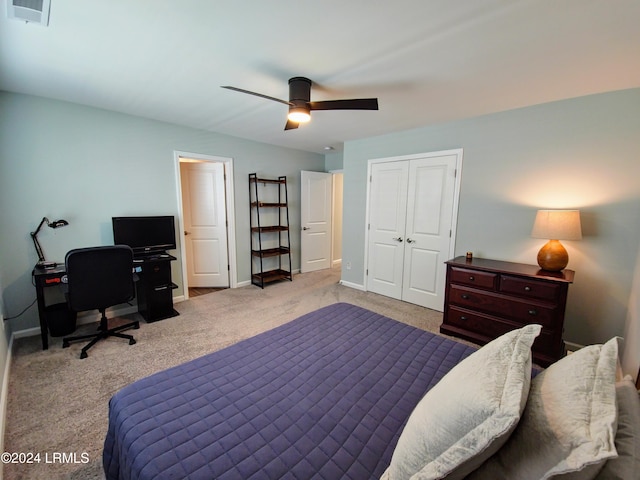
x,y
300,104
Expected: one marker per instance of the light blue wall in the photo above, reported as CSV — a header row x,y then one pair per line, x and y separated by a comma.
x,y
86,165
333,161
580,153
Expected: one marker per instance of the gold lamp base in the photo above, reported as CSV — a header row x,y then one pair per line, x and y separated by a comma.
x,y
553,256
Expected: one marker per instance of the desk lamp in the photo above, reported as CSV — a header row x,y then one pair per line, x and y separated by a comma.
x,y
556,225
34,236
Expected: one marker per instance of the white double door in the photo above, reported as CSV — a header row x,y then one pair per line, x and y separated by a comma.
x,y
412,207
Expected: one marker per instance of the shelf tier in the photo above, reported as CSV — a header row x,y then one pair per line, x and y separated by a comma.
x,y
271,252
270,276
268,204
266,180
272,228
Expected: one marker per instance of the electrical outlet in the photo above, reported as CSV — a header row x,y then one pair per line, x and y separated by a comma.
x,y
348,265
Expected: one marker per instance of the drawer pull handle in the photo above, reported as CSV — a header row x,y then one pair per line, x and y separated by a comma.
x,y
472,278
533,312
464,296
463,318
527,288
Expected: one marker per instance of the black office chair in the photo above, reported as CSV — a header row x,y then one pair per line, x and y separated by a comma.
x,y
97,278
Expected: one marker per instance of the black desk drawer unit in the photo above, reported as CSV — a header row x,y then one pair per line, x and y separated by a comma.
x,y
154,289
487,298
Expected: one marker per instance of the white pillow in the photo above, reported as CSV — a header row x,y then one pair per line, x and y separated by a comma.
x,y
569,425
627,436
469,414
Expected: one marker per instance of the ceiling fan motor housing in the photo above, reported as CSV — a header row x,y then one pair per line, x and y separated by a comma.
x,y
299,96
299,89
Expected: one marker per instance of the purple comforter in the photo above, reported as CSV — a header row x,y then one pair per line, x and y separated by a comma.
x,y
325,396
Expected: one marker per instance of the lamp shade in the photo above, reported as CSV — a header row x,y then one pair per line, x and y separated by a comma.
x,y
557,225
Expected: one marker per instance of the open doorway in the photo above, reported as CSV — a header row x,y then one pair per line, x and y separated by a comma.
x,y
207,223
336,248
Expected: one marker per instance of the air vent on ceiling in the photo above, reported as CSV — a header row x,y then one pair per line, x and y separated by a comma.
x,y
33,11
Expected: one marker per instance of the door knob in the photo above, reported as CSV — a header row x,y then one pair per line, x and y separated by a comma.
x,y
410,241
397,239
305,228
187,233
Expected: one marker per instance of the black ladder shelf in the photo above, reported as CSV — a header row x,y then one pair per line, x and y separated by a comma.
x,y
270,239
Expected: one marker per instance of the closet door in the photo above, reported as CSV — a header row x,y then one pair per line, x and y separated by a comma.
x,y
411,219
387,214
428,226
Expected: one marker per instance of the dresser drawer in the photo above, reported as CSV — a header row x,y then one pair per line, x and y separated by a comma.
x,y
528,288
489,327
510,308
473,278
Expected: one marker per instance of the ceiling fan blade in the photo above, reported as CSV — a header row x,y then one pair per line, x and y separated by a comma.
x,y
353,104
256,94
291,125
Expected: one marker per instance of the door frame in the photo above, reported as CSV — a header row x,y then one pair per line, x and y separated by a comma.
x,y
456,197
335,207
230,211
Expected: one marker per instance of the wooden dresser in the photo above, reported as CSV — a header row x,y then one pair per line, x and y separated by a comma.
x,y
486,298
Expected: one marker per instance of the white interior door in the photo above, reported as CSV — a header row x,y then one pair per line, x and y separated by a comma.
x,y
428,227
315,220
387,214
205,235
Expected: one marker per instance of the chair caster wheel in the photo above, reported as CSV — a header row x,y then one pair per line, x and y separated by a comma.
x,y
65,344
132,342
83,355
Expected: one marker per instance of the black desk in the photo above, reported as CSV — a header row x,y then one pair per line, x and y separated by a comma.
x,y
43,278
153,289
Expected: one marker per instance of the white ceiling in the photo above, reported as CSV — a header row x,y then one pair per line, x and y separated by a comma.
x,y
427,61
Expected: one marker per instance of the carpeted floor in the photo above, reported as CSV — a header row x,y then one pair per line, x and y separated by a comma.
x,y
58,404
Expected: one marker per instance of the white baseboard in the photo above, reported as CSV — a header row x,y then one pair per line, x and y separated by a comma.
x,y
357,286
572,347
4,393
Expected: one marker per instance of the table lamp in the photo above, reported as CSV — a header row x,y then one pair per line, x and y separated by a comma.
x,y
34,236
556,225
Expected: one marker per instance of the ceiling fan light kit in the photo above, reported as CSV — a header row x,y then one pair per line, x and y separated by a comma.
x,y
299,114
300,104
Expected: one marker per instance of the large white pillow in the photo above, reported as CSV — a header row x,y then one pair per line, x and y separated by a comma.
x,y
469,414
569,425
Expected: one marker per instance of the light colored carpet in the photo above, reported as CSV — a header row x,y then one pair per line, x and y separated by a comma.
x,y
58,403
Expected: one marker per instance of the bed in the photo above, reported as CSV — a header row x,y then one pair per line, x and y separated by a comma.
x,y
343,392
324,396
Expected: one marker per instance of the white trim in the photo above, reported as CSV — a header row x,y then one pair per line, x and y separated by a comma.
x,y
572,347
231,219
4,394
458,152
355,286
